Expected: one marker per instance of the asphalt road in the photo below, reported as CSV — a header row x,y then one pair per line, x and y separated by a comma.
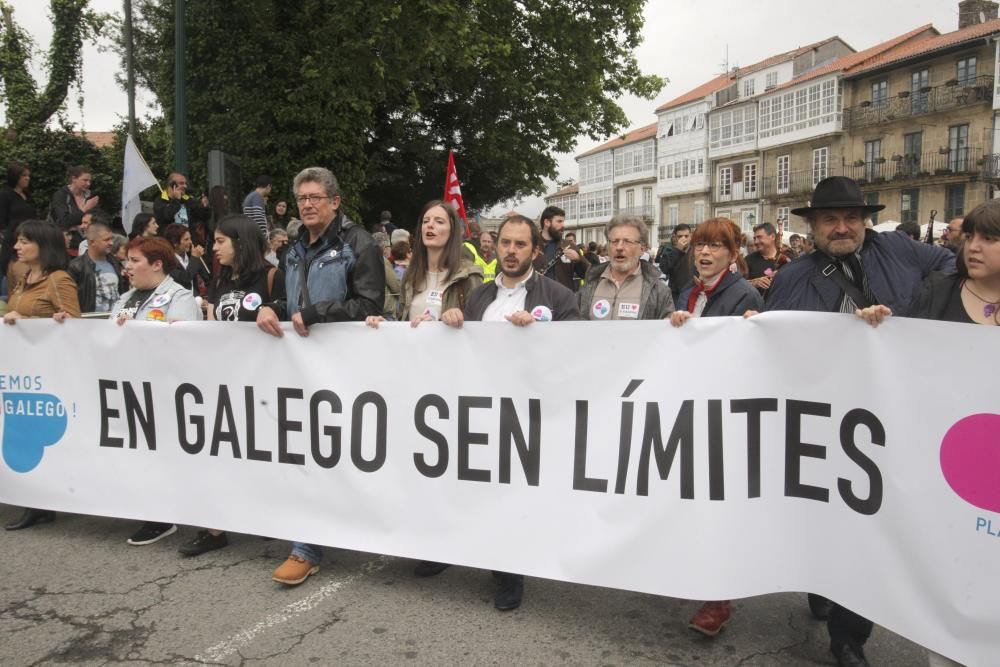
x,y
74,591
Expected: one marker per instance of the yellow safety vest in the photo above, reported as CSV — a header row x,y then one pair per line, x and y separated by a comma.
x,y
489,268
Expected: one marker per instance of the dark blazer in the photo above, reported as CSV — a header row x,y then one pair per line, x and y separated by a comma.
x,y
84,272
542,291
895,265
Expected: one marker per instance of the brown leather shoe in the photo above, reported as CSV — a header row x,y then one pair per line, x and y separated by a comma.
x,y
294,571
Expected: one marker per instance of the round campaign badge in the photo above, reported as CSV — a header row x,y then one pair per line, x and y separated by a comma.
x,y
768,272
156,315
601,308
542,314
252,301
160,300
433,315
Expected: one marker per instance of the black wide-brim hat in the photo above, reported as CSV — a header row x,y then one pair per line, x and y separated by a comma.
x,y
837,192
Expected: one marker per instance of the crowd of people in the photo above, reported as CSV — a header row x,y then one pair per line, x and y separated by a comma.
x,y
330,269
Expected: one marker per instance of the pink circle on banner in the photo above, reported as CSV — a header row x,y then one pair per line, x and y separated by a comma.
x,y
970,460
769,272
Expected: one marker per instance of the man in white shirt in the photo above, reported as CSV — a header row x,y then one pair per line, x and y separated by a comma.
x,y
519,295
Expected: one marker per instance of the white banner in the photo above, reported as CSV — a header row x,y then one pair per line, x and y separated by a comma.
x,y
862,464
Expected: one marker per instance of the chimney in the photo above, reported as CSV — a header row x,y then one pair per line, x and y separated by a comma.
x,y
971,12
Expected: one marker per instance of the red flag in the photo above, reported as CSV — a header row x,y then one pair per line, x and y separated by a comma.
x,y
453,193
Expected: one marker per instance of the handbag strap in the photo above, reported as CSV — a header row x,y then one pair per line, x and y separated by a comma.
x,y
833,272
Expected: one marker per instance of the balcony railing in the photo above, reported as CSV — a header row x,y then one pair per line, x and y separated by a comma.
x,y
948,162
916,103
640,211
800,182
991,167
735,192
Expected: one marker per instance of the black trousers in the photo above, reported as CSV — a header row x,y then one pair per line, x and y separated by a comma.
x,y
846,627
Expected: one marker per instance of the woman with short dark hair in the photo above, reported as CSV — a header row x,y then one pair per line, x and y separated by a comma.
x,y
41,288
191,271
144,224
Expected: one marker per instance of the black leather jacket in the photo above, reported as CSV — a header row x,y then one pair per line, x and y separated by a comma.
x,y
83,271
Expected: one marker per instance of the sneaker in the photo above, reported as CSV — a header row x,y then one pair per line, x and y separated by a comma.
x,y
711,618
151,532
294,571
203,543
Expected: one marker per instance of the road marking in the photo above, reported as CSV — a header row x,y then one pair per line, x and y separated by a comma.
x,y
242,638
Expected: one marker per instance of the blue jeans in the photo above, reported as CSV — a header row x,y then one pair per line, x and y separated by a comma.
x,y
310,552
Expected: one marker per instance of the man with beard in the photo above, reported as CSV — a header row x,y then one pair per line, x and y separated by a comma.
x,y
563,264
521,296
625,288
852,268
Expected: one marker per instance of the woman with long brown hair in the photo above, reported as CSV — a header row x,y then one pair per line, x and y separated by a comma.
x,y
440,277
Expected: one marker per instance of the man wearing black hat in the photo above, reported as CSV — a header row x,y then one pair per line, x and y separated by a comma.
x,y
852,267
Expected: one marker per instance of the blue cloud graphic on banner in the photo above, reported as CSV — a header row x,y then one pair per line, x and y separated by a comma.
x,y
31,422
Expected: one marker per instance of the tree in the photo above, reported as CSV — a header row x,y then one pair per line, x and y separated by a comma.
x,y
380,90
30,111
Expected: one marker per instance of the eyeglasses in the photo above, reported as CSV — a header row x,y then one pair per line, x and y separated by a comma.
x,y
712,245
311,199
624,242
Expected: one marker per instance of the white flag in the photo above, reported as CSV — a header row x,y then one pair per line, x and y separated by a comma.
x,y
137,177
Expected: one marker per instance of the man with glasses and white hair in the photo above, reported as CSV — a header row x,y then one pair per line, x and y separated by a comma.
x,y
333,273
625,288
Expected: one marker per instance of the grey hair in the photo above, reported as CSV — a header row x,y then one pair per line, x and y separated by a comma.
x,y
621,220
381,239
117,241
319,175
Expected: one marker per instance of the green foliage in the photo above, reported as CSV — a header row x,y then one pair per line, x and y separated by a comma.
x,y
27,107
379,90
28,138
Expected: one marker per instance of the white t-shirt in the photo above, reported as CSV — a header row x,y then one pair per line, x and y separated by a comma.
x,y
508,300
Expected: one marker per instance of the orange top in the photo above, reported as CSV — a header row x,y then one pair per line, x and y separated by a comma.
x,y
55,292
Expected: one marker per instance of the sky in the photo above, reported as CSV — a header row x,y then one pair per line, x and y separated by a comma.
x,y
684,41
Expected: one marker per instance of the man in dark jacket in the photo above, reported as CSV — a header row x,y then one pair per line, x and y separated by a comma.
x,y
625,287
558,259
674,263
519,295
522,295
98,274
852,268
334,273
176,206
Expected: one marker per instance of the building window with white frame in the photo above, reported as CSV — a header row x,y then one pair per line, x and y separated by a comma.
x,y
673,213
748,85
699,213
820,164
725,181
771,80
750,180
647,201
783,177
